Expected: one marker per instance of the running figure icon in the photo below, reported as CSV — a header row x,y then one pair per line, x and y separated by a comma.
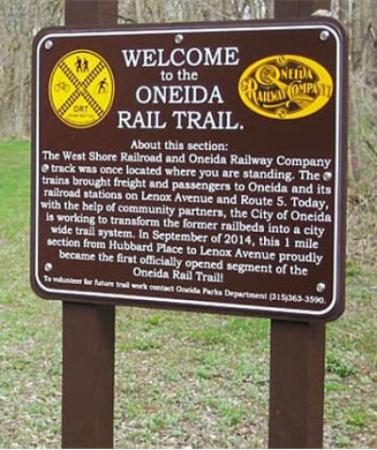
x,y
102,86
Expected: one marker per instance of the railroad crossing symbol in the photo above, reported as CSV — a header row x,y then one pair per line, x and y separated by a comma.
x,y
81,89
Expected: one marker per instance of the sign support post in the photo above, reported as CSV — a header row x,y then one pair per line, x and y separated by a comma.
x,y
88,376
296,384
88,330
297,366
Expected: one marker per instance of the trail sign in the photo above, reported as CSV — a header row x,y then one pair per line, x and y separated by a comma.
x,y
81,97
199,167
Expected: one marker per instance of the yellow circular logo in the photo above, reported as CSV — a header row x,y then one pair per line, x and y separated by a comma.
x,y
81,89
285,87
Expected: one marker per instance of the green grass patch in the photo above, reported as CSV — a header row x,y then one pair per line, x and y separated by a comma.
x,y
14,188
356,418
338,365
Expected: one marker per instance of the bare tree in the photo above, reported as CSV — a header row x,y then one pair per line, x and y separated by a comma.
x,y
19,21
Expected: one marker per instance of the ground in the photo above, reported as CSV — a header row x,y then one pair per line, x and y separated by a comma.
x,y
182,379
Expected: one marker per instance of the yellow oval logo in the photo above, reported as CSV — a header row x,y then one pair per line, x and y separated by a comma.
x,y
81,89
285,87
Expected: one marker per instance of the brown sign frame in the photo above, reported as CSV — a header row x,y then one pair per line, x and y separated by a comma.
x,y
337,305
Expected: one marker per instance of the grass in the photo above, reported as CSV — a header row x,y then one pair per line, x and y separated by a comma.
x,y
182,380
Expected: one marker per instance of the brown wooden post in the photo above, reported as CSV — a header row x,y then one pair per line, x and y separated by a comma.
x,y
88,330
296,385
88,376
91,13
285,9
297,349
